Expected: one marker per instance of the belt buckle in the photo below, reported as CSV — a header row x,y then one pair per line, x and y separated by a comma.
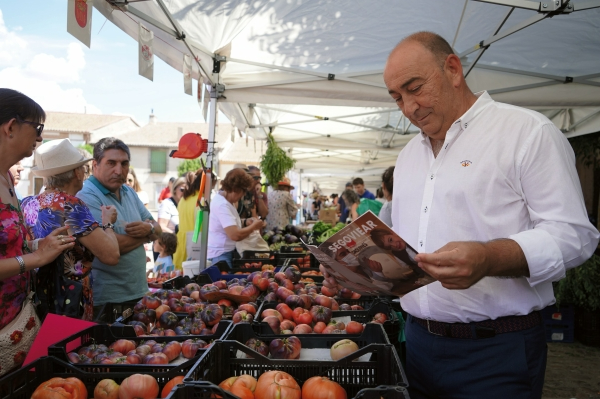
x,y
431,332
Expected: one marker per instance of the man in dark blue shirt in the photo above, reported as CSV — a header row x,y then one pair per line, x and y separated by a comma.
x,y
359,188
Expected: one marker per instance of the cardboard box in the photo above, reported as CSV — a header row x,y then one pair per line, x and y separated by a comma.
x,y
328,216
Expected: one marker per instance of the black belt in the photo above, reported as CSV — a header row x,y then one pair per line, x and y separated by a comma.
x,y
481,329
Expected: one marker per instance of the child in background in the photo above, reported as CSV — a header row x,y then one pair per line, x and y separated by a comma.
x,y
165,245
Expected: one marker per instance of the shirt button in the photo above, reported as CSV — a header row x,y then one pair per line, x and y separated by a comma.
x,y
425,210
421,243
431,177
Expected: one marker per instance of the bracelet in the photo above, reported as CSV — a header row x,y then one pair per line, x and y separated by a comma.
x,y
108,226
35,245
21,264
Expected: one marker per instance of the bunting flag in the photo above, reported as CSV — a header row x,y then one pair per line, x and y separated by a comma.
x,y
187,74
79,20
146,52
205,103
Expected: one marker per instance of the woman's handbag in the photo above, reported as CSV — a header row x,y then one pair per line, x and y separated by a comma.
x,y
17,337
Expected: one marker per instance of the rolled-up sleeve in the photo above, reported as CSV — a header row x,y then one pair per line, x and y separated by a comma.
x,y
562,236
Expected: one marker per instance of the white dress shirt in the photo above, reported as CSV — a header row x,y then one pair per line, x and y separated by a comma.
x,y
503,172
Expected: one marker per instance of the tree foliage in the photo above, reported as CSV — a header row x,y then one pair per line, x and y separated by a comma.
x,y
581,286
188,165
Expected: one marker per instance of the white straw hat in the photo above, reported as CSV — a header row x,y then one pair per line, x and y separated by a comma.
x,y
57,156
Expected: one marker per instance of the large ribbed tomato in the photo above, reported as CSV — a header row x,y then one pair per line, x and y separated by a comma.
x,y
106,389
242,386
139,386
322,388
170,385
61,388
277,384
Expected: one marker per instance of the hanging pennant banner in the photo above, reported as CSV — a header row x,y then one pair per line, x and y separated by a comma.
x,y
205,103
146,52
187,74
79,20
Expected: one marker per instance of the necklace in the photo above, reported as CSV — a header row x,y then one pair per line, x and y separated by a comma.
x,y
10,186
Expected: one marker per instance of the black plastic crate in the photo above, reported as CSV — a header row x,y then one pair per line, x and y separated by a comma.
x,y
258,255
372,334
293,249
559,323
382,367
21,383
103,334
391,325
206,390
109,314
121,329
563,315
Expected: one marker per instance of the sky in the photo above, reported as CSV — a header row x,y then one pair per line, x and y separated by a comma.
x,y
39,58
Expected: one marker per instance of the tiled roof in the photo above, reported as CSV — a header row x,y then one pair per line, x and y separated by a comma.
x,y
79,123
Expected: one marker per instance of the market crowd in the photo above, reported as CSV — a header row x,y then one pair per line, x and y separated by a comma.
x,y
487,193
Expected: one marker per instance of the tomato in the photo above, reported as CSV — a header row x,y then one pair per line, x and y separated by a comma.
x,y
242,386
211,314
156,358
190,347
139,386
122,346
320,313
169,386
271,312
319,327
106,389
286,348
354,327
380,318
302,316
287,325
277,384
322,388
274,323
61,388
172,350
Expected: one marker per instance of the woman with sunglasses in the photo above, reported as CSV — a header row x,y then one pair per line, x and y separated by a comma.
x,y
133,182
168,215
20,130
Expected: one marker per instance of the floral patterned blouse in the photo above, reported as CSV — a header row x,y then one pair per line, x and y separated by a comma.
x,y
43,214
13,242
281,209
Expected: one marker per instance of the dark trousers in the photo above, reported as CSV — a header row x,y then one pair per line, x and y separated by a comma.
x,y
510,365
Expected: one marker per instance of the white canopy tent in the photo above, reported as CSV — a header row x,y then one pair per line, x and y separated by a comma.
x,y
310,71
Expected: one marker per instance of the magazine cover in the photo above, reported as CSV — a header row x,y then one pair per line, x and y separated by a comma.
x,y
370,258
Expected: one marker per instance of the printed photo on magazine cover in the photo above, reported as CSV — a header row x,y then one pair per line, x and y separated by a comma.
x,y
370,258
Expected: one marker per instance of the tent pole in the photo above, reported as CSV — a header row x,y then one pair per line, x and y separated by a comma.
x,y
212,126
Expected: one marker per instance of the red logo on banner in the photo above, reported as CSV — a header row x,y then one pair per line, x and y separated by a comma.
x,y
146,52
81,12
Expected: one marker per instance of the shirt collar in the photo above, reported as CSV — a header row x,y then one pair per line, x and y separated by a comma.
x,y
103,189
483,100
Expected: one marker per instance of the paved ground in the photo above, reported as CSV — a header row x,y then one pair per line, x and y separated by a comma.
x,y
573,371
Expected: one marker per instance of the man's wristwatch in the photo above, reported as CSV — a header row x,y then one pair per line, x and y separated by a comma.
x,y
108,226
151,228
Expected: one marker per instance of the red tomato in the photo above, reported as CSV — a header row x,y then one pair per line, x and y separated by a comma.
x,y
169,386
140,386
302,316
354,327
322,388
67,388
277,384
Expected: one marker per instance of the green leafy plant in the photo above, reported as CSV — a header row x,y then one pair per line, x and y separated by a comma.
x,y
275,163
581,286
188,165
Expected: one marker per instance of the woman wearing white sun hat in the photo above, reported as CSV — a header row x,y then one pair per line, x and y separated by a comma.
x,y
64,169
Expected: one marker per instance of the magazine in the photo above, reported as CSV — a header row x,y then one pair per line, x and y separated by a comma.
x,y
370,258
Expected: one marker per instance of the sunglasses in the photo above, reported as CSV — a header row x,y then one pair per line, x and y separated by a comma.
x,y
39,127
